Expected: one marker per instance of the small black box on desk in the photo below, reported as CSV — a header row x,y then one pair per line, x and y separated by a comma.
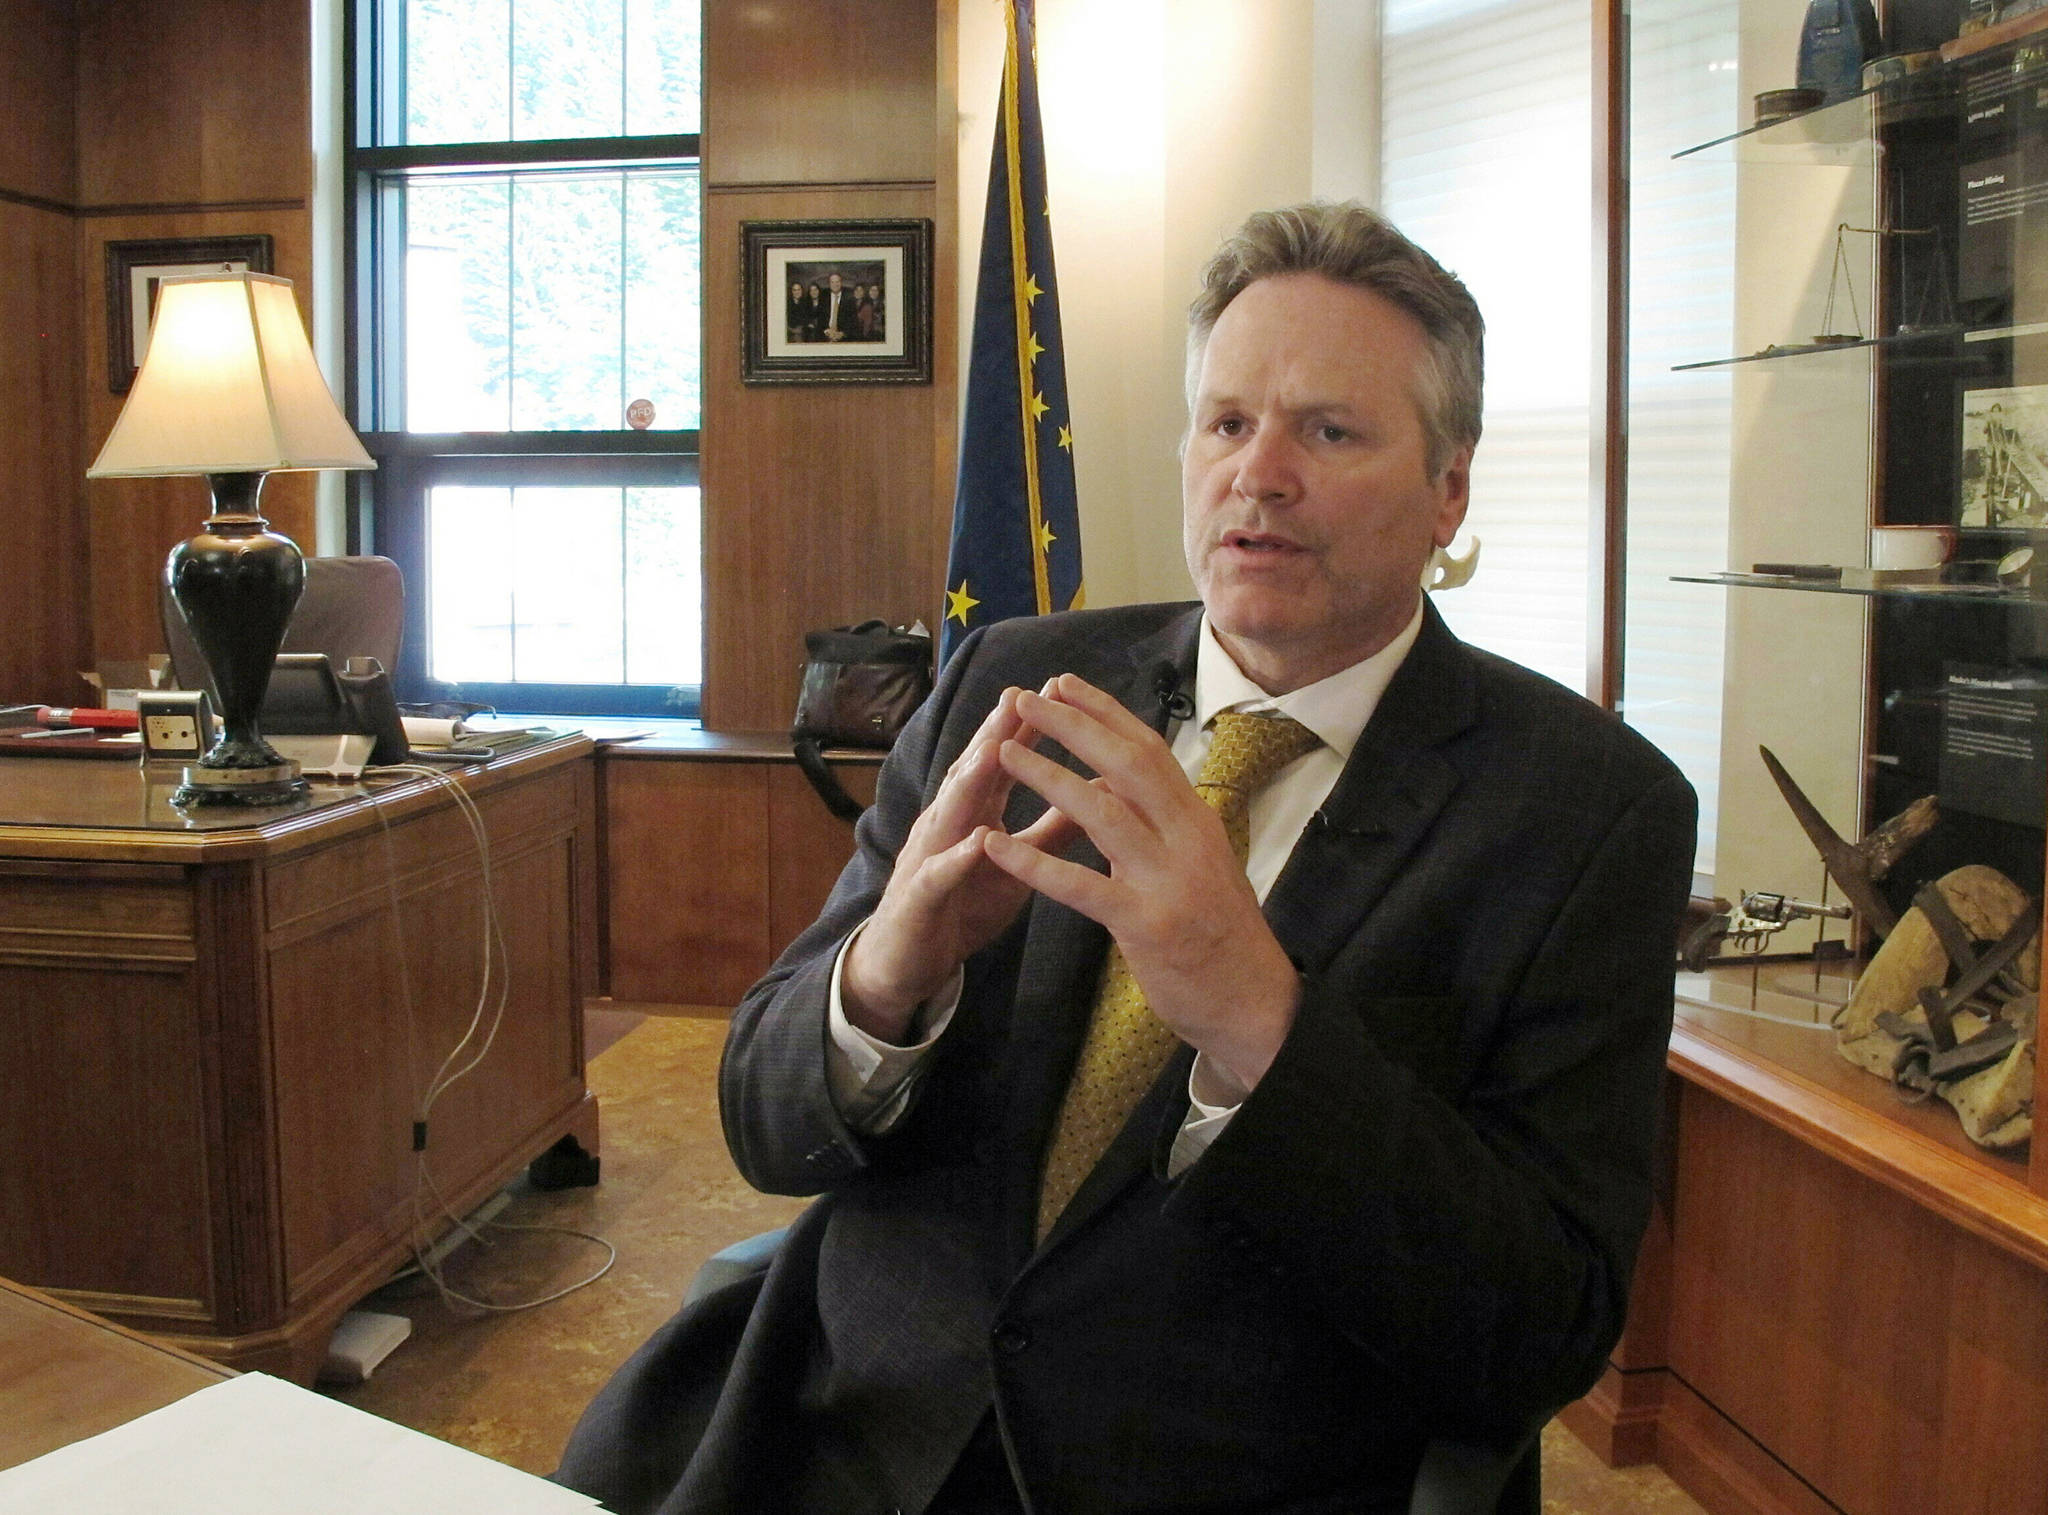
x,y
1994,742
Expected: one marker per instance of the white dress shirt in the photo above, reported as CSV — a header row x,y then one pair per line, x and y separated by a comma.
x,y
871,1080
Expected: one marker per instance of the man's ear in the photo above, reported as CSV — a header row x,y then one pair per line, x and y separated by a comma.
x,y
1454,495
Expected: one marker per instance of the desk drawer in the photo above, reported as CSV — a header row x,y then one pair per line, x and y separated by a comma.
x,y
104,916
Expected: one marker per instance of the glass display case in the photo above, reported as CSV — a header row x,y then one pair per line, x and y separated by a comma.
x,y
1836,606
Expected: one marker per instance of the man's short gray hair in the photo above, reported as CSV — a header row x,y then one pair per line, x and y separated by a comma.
x,y
1354,245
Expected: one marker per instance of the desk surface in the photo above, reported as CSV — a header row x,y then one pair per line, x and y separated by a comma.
x,y
50,807
66,1375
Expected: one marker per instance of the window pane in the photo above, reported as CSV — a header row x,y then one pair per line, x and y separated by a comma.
x,y
664,587
568,68
663,297
457,305
549,301
664,66
1475,140
567,306
568,588
523,70
457,83
1684,89
565,585
469,590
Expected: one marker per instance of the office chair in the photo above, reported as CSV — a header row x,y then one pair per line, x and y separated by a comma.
x,y
351,607
1456,1477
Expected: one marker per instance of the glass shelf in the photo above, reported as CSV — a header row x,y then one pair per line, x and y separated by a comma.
x,y
1807,349
1975,594
1899,339
1837,132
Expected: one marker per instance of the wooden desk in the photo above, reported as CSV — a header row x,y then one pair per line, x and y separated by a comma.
x,y
66,1375
216,1028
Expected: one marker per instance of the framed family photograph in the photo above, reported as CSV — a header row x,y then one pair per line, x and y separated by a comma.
x,y
2005,456
134,269
836,302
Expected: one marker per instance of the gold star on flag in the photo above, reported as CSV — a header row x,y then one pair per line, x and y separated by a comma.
x,y
1038,406
1066,438
1031,347
1031,289
959,602
1045,538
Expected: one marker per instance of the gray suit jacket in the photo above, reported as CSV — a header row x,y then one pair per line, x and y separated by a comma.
x,y
1421,1223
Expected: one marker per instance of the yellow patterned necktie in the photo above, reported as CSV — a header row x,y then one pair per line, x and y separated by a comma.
x,y
1127,1044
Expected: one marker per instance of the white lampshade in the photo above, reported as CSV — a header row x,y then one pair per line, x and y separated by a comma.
x,y
227,385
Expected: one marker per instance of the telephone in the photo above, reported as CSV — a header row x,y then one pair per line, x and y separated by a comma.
x,y
333,722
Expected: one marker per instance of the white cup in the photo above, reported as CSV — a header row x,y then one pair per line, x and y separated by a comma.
x,y
1911,546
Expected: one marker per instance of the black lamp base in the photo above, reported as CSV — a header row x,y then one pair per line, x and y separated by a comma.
x,y
240,786
236,584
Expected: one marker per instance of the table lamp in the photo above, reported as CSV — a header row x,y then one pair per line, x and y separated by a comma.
x,y
228,388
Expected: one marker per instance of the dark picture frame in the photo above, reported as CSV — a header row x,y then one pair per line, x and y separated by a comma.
x,y
134,269
2002,477
878,331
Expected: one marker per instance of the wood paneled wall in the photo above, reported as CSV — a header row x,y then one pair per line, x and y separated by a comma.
x,y
128,119
193,121
122,119
823,504
42,577
38,82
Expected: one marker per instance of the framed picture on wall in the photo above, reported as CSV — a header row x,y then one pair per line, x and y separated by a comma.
x,y
836,302
135,269
2004,473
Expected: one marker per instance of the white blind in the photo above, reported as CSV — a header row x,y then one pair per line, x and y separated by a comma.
x,y
1486,142
1486,133
1684,90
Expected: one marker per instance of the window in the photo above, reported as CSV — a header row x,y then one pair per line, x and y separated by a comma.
x,y
525,225
1485,131
1684,89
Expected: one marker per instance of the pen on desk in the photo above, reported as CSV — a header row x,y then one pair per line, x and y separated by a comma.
x,y
58,731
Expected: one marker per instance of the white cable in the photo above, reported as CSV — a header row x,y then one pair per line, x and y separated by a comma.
x,y
450,1295
493,946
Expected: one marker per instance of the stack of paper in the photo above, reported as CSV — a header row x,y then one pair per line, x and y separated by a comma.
x,y
256,1445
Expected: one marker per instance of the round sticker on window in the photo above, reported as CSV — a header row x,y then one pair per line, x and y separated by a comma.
x,y
640,414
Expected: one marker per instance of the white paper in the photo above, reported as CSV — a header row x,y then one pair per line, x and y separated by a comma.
x,y
425,731
256,1445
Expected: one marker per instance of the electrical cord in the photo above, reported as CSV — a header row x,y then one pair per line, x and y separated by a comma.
x,y
496,965
452,1296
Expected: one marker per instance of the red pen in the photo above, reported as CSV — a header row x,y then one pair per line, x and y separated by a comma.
x,y
109,720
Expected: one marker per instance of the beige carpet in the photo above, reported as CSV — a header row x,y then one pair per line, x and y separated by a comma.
x,y
511,1385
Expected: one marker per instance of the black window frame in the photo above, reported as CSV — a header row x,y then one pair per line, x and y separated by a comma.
x,y
386,509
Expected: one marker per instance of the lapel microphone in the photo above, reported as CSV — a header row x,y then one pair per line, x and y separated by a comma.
x,y
1166,684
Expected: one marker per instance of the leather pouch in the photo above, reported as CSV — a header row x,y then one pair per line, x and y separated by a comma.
x,y
860,686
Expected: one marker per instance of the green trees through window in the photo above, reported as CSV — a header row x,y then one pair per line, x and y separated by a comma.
x,y
527,224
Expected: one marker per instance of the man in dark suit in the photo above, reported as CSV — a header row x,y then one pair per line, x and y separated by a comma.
x,y
835,311
1384,1182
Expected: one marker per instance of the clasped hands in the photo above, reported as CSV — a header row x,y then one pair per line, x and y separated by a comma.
x,y
1175,898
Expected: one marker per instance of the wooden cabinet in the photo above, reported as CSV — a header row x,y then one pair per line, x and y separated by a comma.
x,y
1843,1304
1840,1307
219,1031
717,853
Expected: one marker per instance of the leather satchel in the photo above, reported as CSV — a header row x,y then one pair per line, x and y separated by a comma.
x,y
861,684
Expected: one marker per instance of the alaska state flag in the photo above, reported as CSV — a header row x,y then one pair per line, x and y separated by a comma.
x,y
1016,546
